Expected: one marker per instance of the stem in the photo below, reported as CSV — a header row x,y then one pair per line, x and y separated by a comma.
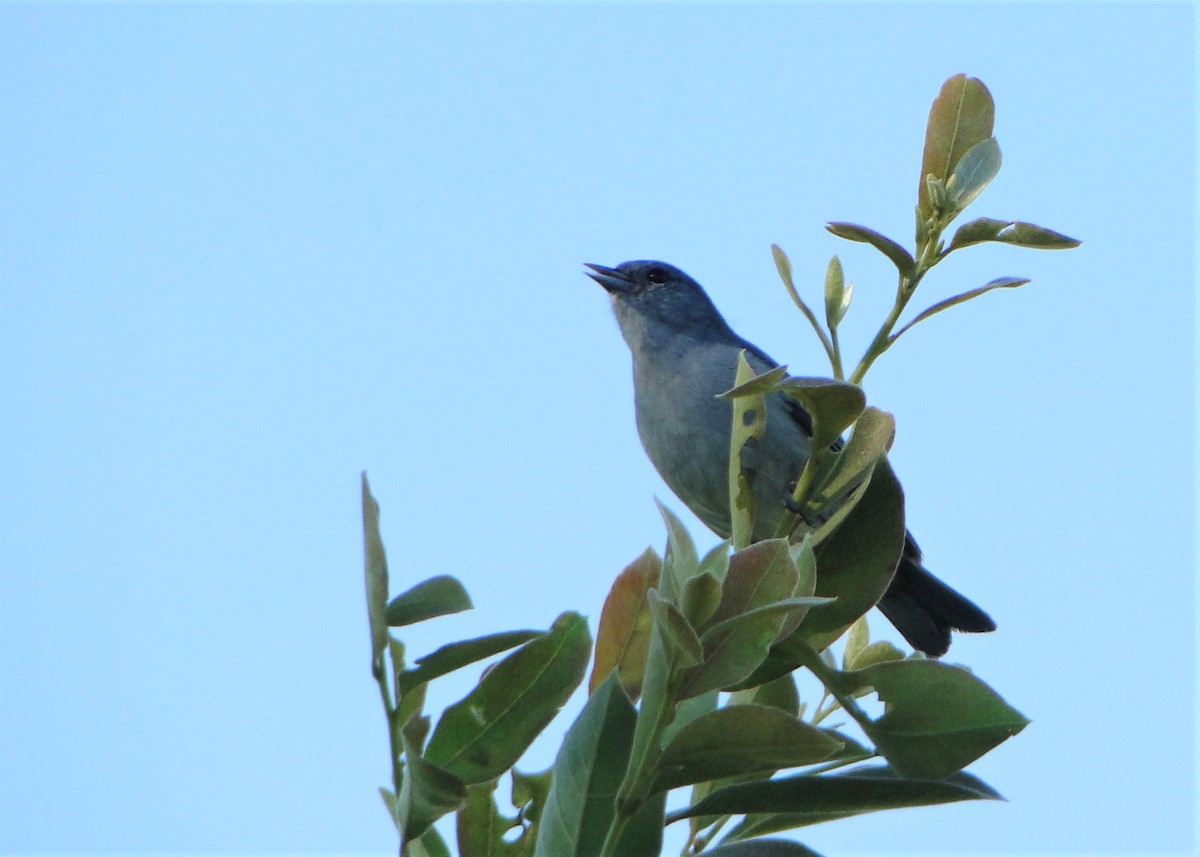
x,y
832,681
927,257
380,672
836,356
630,796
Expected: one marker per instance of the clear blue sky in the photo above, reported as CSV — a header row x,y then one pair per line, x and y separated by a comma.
x,y
247,251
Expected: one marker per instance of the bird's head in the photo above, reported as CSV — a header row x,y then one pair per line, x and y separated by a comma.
x,y
651,298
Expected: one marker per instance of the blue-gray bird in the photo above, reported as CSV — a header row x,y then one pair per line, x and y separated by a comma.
x,y
684,354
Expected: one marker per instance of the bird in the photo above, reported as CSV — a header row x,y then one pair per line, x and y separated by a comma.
x,y
684,355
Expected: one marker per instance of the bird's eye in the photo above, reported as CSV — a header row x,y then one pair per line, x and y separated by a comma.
x,y
656,276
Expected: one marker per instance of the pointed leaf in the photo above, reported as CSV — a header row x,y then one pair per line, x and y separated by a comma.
x,y
833,405
784,266
761,574
623,637
797,801
998,283
375,561
938,718
872,437
679,559
749,425
683,646
587,773
483,735
741,739
961,116
900,257
1015,232
835,292
780,693
455,656
700,599
974,172
437,596
429,791
755,385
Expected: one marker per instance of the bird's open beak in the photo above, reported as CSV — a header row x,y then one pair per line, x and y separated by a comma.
x,y
612,279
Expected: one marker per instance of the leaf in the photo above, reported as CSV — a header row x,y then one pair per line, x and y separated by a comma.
x,y
833,405
479,827
483,735
760,575
429,791
755,385
437,596
792,610
780,693
700,599
430,844
683,646
878,652
900,257
1015,232
974,172
587,774
961,116
835,293
938,718
749,424
998,283
856,563
375,562
679,560
454,656
798,801
741,739
623,637
784,266
872,437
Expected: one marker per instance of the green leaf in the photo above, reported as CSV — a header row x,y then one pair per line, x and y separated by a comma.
x,y
759,575
587,773
754,385
784,266
900,257
998,283
878,652
749,425
780,693
700,599
854,464
856,563
429,791
483,735
974,172
833,405
623,638
375,561
738,740
761,848
961,116
430,844
1016,232
683,646
798,801
836,301
679,560
856,640
938,718
792,610
437,596
454,656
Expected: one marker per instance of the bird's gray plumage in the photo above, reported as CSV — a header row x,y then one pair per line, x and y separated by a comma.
x,y
684,354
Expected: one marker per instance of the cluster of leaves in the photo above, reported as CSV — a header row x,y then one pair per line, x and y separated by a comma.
x,y
693,671
961,158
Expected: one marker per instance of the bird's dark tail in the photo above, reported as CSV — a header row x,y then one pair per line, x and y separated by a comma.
x,y
925,610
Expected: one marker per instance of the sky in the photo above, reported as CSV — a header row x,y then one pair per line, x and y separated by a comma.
x,y
249,251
